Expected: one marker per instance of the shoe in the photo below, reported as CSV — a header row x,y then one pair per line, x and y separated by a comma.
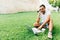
x,y
43,29
50,35
36,31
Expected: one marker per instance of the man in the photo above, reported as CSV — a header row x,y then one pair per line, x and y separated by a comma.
x,y
43,21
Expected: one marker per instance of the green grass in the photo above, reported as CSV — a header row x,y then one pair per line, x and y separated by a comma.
x,y
12,26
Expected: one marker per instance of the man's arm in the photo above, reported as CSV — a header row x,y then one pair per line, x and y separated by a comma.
x,y
37,21
38,18
48,18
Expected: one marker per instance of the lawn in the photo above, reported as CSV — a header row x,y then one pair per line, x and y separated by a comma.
x,y
12,26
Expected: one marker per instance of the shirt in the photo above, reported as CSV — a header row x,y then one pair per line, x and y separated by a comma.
x,y
44,16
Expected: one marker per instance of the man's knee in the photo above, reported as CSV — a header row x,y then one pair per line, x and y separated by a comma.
x,y
51,20
36,25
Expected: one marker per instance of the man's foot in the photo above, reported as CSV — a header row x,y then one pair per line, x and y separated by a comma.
x,y
50,35
36,31
43,29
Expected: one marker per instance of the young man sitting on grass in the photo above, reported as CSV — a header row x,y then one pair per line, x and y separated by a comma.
x,y
43,21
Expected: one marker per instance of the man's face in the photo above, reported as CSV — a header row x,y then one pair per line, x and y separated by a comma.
x,y
42,9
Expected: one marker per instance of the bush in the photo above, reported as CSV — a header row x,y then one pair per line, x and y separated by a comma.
x,y
57,3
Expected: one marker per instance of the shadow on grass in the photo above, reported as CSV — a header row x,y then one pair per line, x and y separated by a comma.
x,y
56,32
27,34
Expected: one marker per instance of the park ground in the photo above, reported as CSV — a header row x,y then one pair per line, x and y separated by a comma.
x,y
12,26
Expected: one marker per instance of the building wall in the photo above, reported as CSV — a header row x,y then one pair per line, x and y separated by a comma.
x,y
12,6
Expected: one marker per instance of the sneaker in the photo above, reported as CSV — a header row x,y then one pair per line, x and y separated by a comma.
x,y
36,31
43,29
50,35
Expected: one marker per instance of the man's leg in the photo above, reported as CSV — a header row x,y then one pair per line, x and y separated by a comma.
x,y
50,29
36,24
50,25
35,29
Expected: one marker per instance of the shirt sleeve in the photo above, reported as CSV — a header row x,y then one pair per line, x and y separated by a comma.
x,y
48,12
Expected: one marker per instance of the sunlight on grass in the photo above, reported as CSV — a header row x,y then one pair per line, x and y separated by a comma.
x,y
12,26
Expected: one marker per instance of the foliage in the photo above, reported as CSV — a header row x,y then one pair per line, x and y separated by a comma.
x,y
55,3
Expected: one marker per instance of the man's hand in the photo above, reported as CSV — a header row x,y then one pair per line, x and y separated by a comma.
x,y
40,27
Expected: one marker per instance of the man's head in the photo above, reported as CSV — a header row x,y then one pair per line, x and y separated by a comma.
x,y
42,8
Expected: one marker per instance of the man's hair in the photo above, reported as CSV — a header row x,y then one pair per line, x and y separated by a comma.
x,y
42,5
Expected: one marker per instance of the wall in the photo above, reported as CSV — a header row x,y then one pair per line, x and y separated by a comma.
x,y
12,6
